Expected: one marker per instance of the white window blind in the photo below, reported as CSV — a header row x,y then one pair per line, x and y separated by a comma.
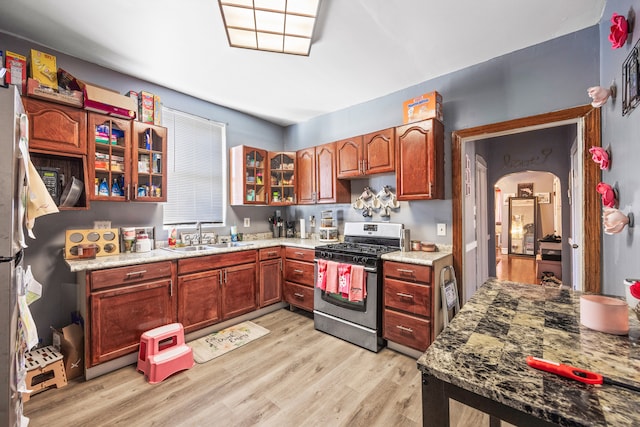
x,y
196,161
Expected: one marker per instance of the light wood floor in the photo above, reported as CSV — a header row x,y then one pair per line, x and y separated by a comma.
x,y
515,268
293,376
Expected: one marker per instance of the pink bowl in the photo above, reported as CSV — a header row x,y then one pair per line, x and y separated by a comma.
x,y
604,314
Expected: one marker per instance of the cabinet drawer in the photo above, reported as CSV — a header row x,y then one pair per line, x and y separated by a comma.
x,y
407,330
270,253
410,297
300,254
300,296
411,272
127,275
299,272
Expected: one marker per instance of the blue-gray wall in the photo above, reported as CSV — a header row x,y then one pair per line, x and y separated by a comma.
x,y
546,77
620,252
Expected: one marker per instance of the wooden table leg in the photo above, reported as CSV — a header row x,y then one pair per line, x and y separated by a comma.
x,y
435,402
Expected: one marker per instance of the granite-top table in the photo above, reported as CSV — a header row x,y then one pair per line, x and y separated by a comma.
x,y
479,360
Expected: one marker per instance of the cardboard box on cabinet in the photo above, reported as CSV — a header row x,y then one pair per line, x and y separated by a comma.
x,y
70,342
107,101
425,106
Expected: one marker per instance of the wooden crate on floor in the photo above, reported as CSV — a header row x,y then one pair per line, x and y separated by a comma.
x,y
45,369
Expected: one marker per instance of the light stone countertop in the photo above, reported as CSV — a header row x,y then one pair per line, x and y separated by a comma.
x,y
416,257
483,350
134,258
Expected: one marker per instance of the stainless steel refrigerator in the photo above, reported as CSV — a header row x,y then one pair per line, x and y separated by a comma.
x,y
11,183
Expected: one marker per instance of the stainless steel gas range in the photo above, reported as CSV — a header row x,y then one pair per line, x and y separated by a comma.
x,y
355,319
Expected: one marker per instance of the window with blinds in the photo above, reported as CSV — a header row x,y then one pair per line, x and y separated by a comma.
x,y
196,163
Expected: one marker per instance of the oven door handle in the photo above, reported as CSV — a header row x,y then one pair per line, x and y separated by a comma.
x,y
367,269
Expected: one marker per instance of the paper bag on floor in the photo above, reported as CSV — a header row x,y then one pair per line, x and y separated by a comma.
x,y
70,342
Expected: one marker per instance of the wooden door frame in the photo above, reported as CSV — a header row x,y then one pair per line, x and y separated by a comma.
x,y
589,119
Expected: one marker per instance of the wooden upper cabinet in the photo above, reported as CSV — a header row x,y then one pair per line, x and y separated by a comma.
x,y
366,155
306,175
379,151
349,157
329,189
248,172
420,160
56,128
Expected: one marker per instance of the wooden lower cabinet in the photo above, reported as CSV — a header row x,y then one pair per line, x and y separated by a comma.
x,y
408,304
238,290
198,299
120,315
270,281
298,277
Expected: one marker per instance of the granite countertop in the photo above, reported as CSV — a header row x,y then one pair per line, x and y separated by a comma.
x,y
417,257
483,350
134,258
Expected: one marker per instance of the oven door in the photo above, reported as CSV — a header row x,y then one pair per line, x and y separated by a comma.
x,y
363,313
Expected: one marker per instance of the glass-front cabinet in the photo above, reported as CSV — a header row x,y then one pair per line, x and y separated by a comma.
x,y
282,190
149,171
109,157
247,175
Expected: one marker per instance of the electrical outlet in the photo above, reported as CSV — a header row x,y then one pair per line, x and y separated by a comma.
x,y
247,222
442,229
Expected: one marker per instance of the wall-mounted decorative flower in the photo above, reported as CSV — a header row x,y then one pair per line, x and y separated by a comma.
x,y
614,220
608,194
600,94
600,156
619,31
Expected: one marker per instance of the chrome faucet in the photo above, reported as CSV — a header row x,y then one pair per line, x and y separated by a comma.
x,y
199,232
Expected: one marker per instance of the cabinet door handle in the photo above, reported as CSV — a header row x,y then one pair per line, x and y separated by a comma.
x,y
170,287
225,277
136,273
405,272
220,277
301,254
301,296
404,329
298,271
280,263
403,295
272,253
127,192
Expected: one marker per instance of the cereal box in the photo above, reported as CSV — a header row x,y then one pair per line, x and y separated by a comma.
x,y
157,110
425,106
145,106
44,69
16,65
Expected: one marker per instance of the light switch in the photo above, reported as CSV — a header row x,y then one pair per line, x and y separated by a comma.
x,y
442,229
247,222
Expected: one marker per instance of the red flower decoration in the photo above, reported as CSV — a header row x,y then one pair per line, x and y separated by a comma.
x,y
635,290
608,195
619,31
600,156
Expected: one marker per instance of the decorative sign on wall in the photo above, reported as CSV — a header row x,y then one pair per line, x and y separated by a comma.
x,y
543,197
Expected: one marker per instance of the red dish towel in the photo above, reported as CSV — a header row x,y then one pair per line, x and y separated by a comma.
x,y
321,281
358,289
332,277
344,279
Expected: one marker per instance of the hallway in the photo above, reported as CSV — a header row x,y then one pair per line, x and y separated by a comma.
x,y
516,268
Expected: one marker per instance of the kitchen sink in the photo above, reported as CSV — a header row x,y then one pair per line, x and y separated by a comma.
x,y
198,248
230,245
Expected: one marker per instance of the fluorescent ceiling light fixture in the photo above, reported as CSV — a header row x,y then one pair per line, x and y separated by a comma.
x,y
284,26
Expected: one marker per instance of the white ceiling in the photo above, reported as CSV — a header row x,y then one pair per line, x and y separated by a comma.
x,y
363,49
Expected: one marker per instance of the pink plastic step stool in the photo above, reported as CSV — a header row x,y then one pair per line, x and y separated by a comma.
x,y
163,352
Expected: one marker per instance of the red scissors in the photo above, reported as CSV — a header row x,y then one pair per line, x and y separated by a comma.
x,y
574,373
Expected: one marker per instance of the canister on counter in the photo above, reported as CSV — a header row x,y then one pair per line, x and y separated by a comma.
x,y
416,245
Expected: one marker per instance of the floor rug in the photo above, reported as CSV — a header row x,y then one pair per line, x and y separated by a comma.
x,y
225,340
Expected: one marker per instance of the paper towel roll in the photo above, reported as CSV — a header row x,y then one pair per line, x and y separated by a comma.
x,y
303,231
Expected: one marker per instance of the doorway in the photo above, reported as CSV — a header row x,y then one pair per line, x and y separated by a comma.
x,y
588,124
525,226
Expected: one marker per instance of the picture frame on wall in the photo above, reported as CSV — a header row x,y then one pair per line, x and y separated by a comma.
x,y
543,197
630,82
525,189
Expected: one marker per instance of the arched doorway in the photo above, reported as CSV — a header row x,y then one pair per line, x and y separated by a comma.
x,y
587,121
